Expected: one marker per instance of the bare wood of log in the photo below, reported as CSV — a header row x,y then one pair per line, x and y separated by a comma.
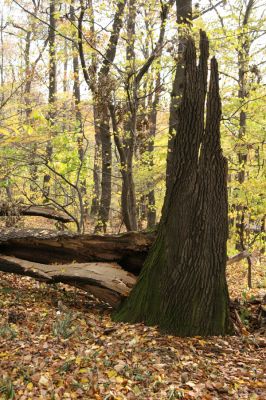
x,y
107,281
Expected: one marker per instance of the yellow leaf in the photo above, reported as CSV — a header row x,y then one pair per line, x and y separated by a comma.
x,y
119,379
83,370
78,360
202,342
30,386
112,373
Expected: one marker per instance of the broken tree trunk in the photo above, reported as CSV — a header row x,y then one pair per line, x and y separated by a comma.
x,y
34,211
97,264
106,281
48,247
129,250
182,287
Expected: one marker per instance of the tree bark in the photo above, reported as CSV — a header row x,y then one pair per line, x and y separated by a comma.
x,y
183,18
106,182
52,93
128,250
151,214
128,195
182,287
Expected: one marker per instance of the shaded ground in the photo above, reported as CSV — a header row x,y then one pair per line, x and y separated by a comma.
x,y
56,343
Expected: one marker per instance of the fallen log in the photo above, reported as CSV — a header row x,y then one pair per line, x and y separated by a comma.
x,y
128,249
35,211
101,265
106,281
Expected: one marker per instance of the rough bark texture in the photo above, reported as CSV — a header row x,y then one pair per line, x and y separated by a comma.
x,y
106,183
107,281
128,195
183,18
182,287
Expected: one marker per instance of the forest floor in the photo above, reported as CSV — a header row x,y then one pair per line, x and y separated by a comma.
x,y
59,343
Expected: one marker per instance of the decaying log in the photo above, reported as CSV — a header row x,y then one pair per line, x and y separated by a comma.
x,y
128,249
101,265
35,211
107,281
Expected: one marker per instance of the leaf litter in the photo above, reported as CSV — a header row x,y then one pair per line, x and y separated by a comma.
x,y
59,343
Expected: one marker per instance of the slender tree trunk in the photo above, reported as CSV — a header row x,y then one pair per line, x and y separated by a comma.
x,y
103,97
182,287
151,216
2,57
52,93
106,183
96,166
243,94
129,211
243,66
65,123
77,95
128,199
128,196
30,67
28,111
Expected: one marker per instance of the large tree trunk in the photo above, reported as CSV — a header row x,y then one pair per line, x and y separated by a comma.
x,y
183,18
182,287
